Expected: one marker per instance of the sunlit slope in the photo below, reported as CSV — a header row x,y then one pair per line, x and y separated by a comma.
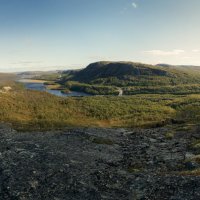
x,y
6,77
32,110
133,78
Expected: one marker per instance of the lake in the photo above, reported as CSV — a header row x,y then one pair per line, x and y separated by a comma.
x,y
39,85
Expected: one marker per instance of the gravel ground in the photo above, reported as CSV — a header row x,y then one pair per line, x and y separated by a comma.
x,y
95,164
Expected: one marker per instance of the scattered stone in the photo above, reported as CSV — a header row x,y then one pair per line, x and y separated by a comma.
x,y
96,164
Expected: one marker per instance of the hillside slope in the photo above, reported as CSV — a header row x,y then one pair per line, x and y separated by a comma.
x,y
6,77
186,68
27,109
119,70
133,77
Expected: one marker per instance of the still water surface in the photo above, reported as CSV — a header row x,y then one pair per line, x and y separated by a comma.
x,y
31,85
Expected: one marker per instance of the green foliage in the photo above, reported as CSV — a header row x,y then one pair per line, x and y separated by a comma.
x,y
195,172
178,89
195,144
49,77
100,140
40,110
169,135
133,78
134,170
91,89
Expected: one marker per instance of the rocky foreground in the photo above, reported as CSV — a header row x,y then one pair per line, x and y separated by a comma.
x,y
94,164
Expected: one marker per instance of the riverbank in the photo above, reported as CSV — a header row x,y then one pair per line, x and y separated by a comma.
x,y
45,86
31,81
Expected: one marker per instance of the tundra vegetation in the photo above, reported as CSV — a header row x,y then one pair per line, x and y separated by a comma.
x,y
40,110
162,95
105,78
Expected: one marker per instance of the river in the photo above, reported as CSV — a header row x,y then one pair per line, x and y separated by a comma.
x,y
39,85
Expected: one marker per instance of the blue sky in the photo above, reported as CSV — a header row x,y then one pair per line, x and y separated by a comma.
x,y
69,34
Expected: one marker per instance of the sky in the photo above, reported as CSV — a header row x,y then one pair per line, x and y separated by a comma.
x,y
70,34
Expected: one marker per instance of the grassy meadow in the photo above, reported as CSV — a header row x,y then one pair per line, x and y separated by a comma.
x,y
7,78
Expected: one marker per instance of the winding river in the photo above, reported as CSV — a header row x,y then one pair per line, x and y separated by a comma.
x,y
39,85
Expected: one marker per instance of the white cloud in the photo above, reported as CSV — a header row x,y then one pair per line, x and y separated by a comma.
x,y
134,5
195,50
26,62
165,53
128,6
97,57
187,57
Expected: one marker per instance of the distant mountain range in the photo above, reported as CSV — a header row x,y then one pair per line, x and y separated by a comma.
x,y
181,67
118,69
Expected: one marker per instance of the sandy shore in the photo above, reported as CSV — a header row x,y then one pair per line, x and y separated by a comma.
x,y
31,81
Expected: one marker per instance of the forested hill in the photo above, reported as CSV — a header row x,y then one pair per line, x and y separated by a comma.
x,y
119,70
132,74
